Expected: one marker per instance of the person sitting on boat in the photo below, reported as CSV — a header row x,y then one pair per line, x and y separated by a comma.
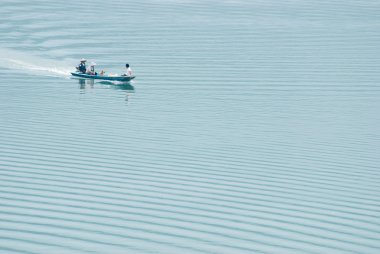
x,y
129,71
91,71
82,66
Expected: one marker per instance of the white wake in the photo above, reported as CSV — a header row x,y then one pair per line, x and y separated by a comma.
x,y
32,64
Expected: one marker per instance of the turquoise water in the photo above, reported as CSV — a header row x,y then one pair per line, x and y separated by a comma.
x,y
252,127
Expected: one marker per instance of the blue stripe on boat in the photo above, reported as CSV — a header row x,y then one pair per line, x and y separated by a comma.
x,y
103,77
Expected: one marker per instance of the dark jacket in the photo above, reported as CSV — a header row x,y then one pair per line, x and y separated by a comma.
x,y
82,67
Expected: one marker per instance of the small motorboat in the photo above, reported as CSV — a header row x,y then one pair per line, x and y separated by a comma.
x,y
103,77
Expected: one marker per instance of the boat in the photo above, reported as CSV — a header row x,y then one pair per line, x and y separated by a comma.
x,y
103,77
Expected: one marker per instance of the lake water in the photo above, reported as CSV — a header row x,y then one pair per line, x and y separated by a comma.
x,y
252,127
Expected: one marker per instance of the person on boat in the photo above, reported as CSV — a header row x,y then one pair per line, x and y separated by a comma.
x,y
82,66
128,72
91,70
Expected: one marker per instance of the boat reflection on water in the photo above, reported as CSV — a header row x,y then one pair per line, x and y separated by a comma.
x,y
117,85
86,84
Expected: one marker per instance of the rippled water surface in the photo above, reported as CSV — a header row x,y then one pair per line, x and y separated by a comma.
x,y
252,127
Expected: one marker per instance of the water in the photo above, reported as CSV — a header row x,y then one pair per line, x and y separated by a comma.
x,y
252,127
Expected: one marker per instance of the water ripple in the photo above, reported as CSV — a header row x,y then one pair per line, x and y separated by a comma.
x,y
251,127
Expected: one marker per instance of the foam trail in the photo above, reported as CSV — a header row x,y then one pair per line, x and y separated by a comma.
x,y
14,60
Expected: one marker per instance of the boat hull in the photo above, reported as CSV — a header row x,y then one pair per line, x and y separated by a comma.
x,y
103,77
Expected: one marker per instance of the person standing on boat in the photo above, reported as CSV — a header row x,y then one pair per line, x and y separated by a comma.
x,y
82,66
129,71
